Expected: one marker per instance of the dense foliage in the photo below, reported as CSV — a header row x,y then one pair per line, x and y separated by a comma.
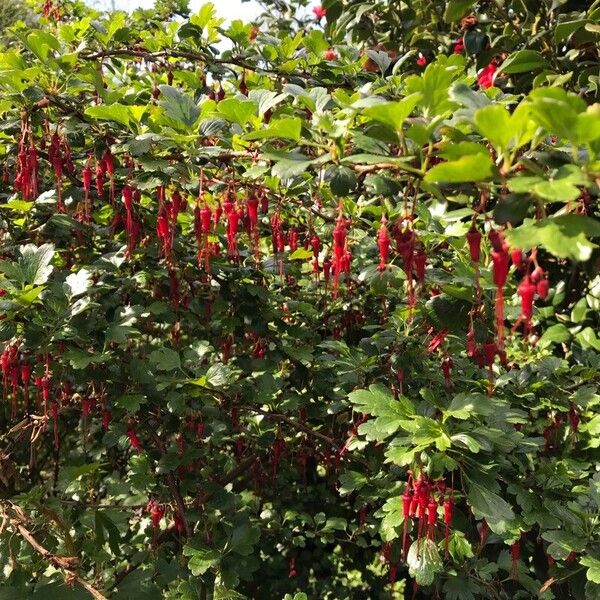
x,y
313,316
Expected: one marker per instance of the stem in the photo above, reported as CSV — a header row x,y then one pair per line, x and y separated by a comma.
x,y
65,563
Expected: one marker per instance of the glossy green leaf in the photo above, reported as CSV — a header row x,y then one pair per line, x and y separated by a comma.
x,y
523,61
475,167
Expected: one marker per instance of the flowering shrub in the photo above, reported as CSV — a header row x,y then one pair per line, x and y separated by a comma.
x,y
313,316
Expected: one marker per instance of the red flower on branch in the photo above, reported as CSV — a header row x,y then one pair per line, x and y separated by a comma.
x,y
319,12
486,76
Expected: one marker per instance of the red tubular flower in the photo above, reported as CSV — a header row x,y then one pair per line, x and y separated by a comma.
x,y
537,274
393,574
292,571
542,288
474,241
500,261
483,532
486,76
100,177
431,517
516,257
293,240
383,241
134,440
422,61
105,419
526,290
573,418
319,12
157,512
315,244
109,167
420,261
515,552
330,54
490,349
252,212
25,377
437,341
205,219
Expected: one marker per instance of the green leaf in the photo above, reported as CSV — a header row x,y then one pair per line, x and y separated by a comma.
x,y
378,401
562,543
288,168
131,402
493,123
220,375
288,128
221,592
459,547
381,59
511,209
558,190
79,282
556,111
523,61
461,588
110,112
33,266
463,94
316,42
79,359
165,359
178,106
588,339
565,236
237,111
474,167
41,43
593,564
265,100
201,559
351,481
466,404
301,254
456,9
393,518
35,263
448,313
555,334
467,440
342,180
393,114
488,505
565,29
424,561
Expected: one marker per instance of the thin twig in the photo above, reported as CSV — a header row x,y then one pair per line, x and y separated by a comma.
x,y
64,563
295,424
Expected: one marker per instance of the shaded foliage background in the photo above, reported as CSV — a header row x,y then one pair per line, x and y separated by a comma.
x,y
248,320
